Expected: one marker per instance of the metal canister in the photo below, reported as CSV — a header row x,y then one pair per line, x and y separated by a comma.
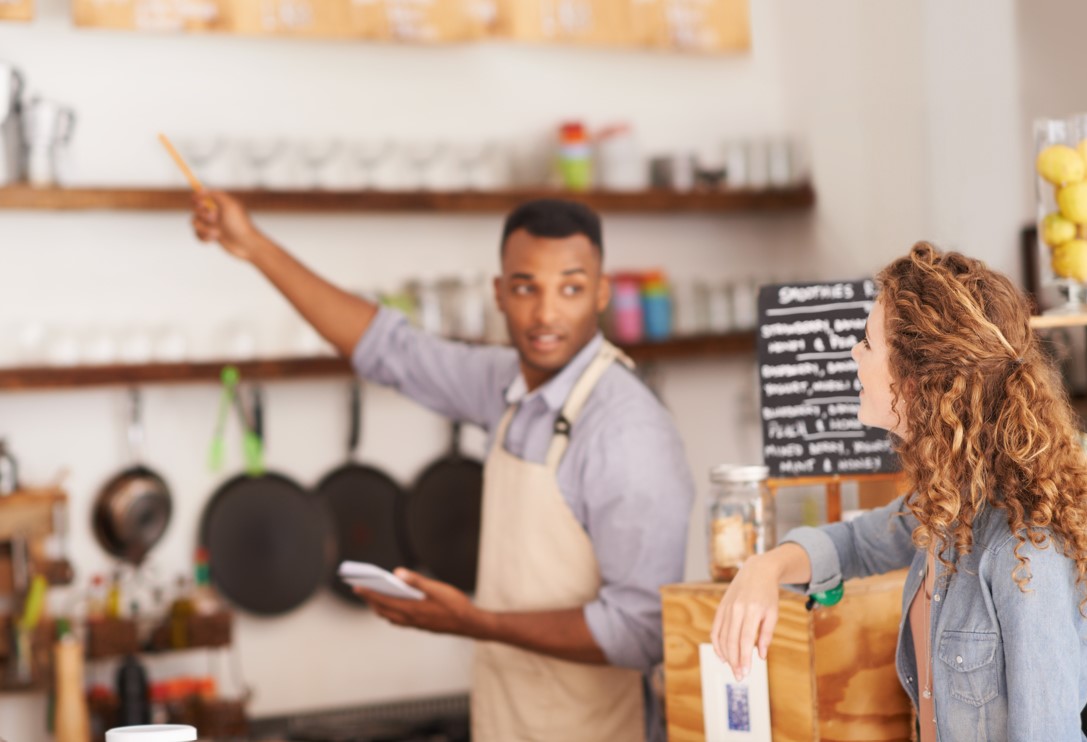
x,y
9,470
742,520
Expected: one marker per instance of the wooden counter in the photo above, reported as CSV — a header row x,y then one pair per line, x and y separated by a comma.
x,y
831,670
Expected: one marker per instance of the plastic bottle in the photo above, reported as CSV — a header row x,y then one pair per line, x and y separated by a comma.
x,y
626,309
575,157
205,601
96,599
656,306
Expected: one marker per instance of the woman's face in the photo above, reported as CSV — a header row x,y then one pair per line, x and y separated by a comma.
x,y
874,372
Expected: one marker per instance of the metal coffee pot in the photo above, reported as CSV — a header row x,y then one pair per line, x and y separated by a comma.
x,y
49,127
12,130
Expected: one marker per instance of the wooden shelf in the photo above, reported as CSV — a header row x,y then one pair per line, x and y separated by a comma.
x,y
655,201
1049,321
51,377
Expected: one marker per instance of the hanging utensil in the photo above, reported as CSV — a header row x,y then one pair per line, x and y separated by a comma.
x,y
365,506
133,508
442,517
269,541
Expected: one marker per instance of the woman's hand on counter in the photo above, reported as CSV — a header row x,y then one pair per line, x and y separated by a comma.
x,y
748,612
444,610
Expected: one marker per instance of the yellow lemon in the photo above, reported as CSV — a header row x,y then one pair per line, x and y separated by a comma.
x,y
1072,200
1070,260
1060,164
1057,230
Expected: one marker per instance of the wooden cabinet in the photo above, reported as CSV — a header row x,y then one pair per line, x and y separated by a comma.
x,y
683,25
16,10
831,670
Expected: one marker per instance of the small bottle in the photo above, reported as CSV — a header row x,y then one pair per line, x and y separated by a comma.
x,y
133,693
627,324
180,611
160,694
742,519
205,601
656,306
575,160
113,597
96,599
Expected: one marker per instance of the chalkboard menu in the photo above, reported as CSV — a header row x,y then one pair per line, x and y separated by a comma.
x,y
808,382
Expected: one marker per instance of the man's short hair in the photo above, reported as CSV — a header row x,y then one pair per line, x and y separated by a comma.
x,y
555,217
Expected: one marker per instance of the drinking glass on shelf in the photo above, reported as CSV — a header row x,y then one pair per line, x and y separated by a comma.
x,y
259,154
314,157
170,345
444,172
420,156
200,152
366,156
136,346
100,346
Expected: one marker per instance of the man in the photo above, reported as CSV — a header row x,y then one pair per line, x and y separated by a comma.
x,y
586,491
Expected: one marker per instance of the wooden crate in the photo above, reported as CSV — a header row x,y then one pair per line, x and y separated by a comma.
x,y
831,670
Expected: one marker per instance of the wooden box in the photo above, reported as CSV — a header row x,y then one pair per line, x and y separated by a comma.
x,y
831,670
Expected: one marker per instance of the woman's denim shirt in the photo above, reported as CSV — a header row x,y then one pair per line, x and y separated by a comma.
x,y
1007,665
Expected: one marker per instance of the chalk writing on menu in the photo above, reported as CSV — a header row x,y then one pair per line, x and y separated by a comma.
x,y
810,393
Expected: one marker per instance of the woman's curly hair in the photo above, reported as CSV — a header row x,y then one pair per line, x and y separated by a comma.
x,y
986,416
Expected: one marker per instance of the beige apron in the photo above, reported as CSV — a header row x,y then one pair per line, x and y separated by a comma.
x,y
535,556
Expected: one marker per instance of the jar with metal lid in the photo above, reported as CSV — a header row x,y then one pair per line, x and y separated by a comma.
x,y
741,519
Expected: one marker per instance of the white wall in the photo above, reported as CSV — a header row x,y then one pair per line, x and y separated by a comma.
x,y
853,78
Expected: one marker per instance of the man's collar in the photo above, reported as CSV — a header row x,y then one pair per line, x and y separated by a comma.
x,y
555,390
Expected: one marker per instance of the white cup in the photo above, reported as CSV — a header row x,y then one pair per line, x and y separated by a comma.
x,y
152,733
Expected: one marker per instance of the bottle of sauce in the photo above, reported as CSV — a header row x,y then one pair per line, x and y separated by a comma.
x,y
180,611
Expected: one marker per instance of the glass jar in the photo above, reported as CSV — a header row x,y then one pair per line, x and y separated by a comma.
x,y
741,519
1060,148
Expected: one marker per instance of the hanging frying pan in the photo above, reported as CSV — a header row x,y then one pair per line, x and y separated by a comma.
x,y
269,541
442,516
364,503
133,508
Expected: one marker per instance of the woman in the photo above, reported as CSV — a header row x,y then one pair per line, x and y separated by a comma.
x,y
993,643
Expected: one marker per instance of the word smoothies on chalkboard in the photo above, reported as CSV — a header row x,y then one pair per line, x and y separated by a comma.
x,y
810,393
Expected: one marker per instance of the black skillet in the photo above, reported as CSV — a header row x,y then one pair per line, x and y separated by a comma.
x,y
269,541
364,503
442,517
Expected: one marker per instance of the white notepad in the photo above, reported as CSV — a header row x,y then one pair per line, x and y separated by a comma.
x,y
734,711
373,577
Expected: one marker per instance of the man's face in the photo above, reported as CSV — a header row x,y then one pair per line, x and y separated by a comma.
x,y
551,292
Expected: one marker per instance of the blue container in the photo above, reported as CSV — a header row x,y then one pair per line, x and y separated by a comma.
x,y
657,314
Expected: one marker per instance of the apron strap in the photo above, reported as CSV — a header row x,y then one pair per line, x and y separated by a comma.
x,y
579,395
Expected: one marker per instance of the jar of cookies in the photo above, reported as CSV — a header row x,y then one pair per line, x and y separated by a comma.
x,y
741,517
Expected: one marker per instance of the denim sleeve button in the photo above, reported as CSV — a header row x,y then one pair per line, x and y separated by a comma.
x,y
936,597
